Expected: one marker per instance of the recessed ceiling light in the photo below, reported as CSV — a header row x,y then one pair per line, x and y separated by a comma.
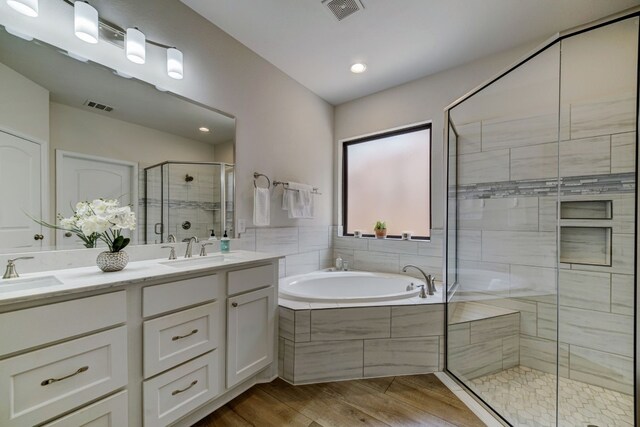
x,y
358,68
204,129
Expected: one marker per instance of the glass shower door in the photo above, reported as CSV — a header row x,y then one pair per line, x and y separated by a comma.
x,y
502,257
597,227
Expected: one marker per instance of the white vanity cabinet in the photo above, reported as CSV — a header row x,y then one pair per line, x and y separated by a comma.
x,y
250,322
42,383
176,338
152,351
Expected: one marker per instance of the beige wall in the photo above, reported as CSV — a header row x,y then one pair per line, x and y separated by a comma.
x,y
283,129
225,152
24,106
417,101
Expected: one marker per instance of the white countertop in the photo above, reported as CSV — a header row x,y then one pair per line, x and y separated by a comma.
x,y
85,279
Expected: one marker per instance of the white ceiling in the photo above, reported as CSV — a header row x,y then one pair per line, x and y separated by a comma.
x,y
399,40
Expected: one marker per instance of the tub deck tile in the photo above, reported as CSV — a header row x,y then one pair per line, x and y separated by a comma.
x,y
351,323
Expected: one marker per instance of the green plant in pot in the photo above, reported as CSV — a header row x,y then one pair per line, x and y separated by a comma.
x,y
380,229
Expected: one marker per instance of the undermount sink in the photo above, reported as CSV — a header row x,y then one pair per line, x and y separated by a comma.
x,y
13,285
194,262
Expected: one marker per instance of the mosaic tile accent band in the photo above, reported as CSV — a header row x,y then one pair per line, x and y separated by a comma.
x,y
574,185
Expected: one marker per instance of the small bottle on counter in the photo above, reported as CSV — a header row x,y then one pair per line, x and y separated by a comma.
x,y
338,264
225,243
213,235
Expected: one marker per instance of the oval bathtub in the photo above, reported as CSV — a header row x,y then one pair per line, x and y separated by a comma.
x,y
348,286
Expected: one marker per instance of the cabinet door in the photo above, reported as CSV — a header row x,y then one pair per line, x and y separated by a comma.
x,y
250,330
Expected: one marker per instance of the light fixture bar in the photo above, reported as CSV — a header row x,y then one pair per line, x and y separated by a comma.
x,y
110,26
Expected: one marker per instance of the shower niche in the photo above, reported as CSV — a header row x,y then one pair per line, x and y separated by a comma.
x,y
541,223
185,199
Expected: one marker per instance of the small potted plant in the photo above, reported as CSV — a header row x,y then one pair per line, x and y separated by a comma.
x,y
380,229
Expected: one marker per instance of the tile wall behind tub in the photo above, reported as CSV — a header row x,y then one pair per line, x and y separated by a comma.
x,y
390,255
508,227
306,248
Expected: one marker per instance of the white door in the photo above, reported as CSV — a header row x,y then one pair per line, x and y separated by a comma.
x,y
80,177
21,192
250,330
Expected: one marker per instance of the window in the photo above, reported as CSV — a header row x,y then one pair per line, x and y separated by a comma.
x,y
386,177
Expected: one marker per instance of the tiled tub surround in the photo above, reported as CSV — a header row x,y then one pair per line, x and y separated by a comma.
x,y
508,231
360,342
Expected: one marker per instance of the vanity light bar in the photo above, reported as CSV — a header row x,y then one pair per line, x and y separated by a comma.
x,y
87,27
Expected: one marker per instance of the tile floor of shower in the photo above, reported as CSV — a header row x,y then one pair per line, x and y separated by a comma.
x,y
527,397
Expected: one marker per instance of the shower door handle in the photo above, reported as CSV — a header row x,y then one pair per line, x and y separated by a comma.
x,y
156,227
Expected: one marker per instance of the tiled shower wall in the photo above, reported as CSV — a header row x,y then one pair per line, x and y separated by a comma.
x,y
507,239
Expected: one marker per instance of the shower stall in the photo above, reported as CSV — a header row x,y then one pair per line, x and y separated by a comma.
x,y
541,233
185,199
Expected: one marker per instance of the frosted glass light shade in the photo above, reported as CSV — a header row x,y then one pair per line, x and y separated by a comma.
x,y
135,46
26,7
175,63
85,20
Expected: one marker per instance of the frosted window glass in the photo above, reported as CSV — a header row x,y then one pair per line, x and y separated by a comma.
x,y
388,180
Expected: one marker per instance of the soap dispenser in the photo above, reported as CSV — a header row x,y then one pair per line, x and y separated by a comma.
x,y
213,235
225,243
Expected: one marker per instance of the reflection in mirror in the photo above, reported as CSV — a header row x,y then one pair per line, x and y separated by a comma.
x,y
72,130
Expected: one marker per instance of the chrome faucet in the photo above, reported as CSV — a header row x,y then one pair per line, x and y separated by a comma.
x,y
172,254
203,249
11,272
430,280
190,241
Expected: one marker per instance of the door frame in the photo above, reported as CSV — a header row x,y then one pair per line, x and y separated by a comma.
x,y
44,179
61,155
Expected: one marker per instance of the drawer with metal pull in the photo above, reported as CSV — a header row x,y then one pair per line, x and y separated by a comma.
x,y
176,338
112,411
39,385
179,391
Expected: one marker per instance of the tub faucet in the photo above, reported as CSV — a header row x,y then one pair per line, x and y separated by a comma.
x,y
190,242
431,286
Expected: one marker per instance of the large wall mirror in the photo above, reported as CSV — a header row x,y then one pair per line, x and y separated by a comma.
x,y
72,130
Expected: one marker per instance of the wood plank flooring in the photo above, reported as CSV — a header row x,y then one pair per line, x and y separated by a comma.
x,y
414,400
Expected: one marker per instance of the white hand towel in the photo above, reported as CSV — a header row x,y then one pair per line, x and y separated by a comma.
x,y
298,200
261,206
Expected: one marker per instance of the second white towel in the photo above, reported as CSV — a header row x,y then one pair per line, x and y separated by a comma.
x,y
297,200
261,206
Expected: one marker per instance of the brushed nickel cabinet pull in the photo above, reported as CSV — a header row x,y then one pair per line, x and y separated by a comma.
x,y
234,304
174,392
179,337
55,380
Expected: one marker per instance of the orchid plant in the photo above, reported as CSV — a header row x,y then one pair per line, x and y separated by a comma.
x,y
99,220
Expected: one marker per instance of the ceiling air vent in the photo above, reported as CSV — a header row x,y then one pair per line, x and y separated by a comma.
x,y
343,8
98,106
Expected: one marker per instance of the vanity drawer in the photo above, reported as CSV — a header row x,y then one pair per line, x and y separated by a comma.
x,y
32,327
110,412
167,297
251,278
176,338
179,391
42,384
